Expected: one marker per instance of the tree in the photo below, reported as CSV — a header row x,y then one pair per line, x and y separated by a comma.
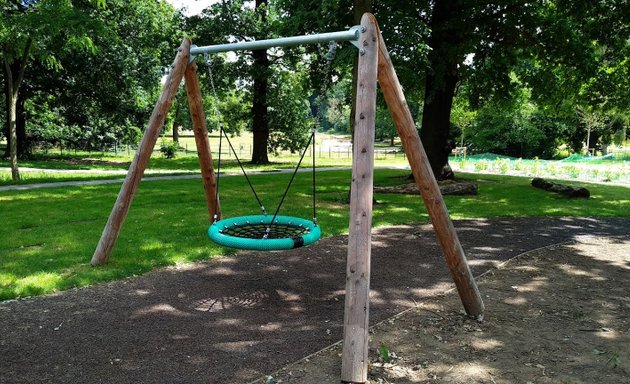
x,y
289,112
480,43
28,29
592,121
232,20
260,75
98,100
257,74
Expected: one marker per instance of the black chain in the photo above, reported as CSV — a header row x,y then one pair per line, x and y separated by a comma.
x,y
221,134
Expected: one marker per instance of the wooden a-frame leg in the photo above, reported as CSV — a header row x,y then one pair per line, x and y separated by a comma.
x,y
423,175
141,159
203,144
354,363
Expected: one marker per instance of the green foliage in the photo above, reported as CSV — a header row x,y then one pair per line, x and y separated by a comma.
x,y
285,92
53,26
462,120
385,128
49,127
335,113
169,148
234,107
619,129
96,70
383,352
518,128
289,116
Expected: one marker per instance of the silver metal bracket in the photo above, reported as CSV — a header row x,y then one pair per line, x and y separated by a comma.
x,y
192,57
358,30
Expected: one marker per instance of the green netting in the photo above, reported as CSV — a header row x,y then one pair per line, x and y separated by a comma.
x,y
576,158
488,156
247,232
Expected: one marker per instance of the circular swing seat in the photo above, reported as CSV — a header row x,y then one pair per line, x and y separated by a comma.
x,y
248,232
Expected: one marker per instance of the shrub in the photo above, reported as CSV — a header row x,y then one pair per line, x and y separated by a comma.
x,y
169,149
481,165
503,165
573,171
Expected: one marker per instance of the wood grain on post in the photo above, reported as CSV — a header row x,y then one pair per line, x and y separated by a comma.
x,y
423,175
141,159
198,118
354,365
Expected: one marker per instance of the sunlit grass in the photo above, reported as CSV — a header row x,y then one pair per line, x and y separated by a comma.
x,y
331,151
48,235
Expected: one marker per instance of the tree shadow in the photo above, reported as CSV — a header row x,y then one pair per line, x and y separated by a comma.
x,y
236,318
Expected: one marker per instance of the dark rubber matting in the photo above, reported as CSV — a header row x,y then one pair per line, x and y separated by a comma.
x,y
235,319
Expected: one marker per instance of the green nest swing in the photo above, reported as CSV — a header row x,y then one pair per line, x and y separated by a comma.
x,y
267,232
257,233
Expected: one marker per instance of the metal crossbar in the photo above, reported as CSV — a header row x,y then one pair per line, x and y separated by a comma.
x,y
351,35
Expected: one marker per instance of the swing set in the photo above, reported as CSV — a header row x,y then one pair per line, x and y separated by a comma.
x,y
266,232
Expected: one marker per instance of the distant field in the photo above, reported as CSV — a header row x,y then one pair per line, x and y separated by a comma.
x,y
330,151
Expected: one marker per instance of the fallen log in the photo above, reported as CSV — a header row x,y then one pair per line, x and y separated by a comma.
x,y
447,187
561,188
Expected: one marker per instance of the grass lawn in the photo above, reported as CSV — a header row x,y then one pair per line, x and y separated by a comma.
x,y
49,235
331,151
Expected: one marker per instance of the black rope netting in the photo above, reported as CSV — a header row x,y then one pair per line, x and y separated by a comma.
x,y
258,231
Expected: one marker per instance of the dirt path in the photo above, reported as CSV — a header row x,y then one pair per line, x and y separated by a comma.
x,y
238,318
554,315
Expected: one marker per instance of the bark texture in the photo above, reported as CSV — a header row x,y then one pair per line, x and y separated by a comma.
x,y
441,81
20,119
562,189
13,81
260,117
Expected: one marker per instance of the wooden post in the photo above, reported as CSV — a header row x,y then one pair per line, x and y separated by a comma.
x,y
422,173
141,159
203,144
354,365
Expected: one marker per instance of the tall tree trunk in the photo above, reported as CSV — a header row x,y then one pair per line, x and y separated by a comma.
x,y
178,108
11,71
14,80
260,118
23,146
175,133
436,118
440,84
15,172
20,119
7,96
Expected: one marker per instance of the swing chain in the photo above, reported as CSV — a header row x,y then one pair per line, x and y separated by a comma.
x,y
221,134
206,57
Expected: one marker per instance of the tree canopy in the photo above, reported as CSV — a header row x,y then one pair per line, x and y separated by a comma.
x,y
510,76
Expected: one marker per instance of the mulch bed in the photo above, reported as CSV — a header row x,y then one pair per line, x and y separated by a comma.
x,y
238,318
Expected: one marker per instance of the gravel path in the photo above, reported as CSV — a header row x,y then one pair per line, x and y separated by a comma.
x,y
23,187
